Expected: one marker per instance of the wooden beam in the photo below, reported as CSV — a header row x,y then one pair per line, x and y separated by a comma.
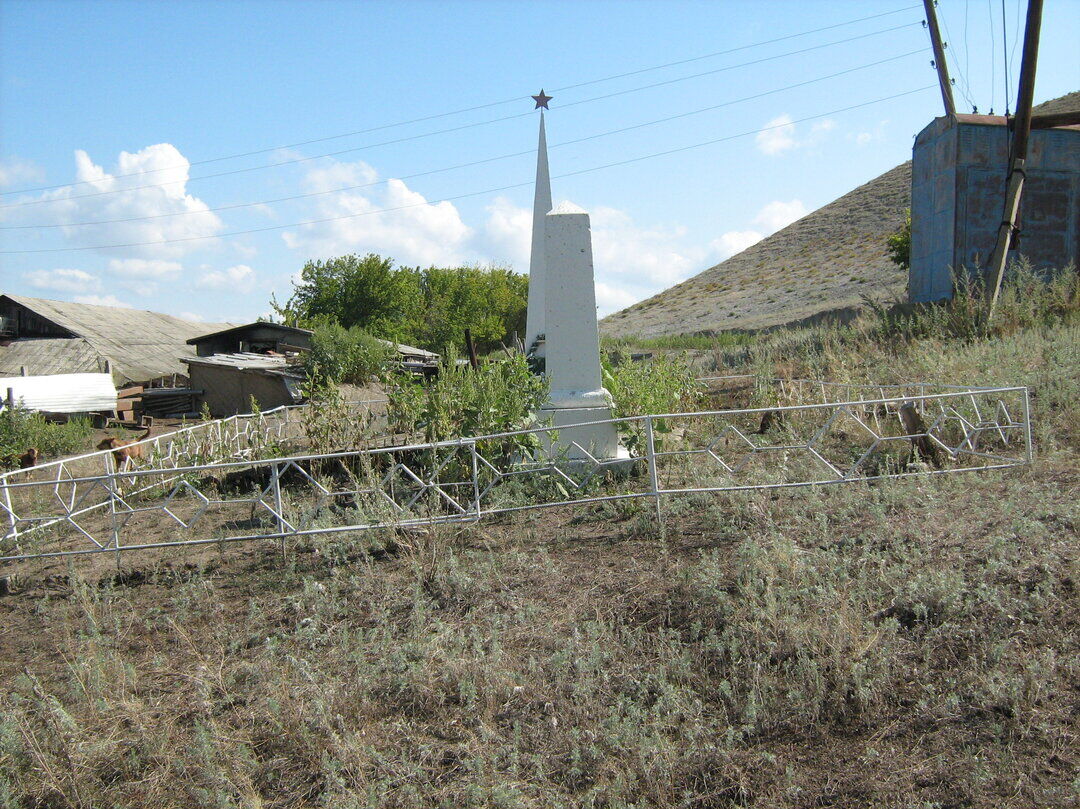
x,y
939,58
1017,156
471,346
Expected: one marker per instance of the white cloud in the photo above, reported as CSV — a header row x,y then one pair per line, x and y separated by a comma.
x,y
866,138
16,171
142,268
733,242
102,300
164,170
63,280
611,299
508,232
777,215
644,256
391,219
240,278
777,136
780,135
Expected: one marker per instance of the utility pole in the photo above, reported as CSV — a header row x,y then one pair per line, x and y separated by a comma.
x,y
1017,155
939,58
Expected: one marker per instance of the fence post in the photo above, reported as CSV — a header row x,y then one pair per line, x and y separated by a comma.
x,y
1030,448
654,482
110,476
279,515
14,533
475,479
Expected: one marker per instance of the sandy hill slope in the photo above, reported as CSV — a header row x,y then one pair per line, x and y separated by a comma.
x,y
825,262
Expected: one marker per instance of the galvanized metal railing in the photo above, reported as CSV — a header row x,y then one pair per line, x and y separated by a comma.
x,y
469,479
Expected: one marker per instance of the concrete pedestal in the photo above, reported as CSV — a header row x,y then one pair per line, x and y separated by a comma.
x,y
572,340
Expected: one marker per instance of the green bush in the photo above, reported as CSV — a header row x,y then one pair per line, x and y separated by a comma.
x,y
898,245
21,429
657,385
348,355
496,397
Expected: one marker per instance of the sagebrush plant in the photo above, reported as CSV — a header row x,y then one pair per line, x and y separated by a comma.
x,y
21,429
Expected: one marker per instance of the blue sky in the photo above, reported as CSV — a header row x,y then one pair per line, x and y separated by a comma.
x,y
128,104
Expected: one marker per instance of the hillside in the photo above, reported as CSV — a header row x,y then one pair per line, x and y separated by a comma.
x,y
825,261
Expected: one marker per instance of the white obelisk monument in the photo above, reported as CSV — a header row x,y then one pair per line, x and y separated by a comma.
x,y
535,313
573,341
562,310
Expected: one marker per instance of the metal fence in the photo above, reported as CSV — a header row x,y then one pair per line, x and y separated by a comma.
x,y
170,502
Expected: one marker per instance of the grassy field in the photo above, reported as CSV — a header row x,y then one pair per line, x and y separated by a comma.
x,y
912,643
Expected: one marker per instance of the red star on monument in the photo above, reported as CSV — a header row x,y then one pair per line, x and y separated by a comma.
x,y
542,100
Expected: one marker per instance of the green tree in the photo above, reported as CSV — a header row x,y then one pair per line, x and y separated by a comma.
x,y
898,245
353,291
430,308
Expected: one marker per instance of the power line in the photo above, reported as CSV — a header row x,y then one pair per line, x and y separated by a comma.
x,y
472,193
456,128
961,73
475,162
489,105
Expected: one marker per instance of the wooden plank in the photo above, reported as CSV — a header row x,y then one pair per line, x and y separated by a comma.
x,y
134,390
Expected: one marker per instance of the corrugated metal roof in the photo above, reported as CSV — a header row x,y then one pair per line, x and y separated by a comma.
x,y
50,356
412,351
141,344
247,361
62,393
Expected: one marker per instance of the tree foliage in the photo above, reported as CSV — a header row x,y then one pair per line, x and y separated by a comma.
x,y
430,307
340,354
898,245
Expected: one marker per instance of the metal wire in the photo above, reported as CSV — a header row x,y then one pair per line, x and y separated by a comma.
x,y
467,479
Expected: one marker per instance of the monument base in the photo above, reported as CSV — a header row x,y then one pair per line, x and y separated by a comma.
x,y
577,444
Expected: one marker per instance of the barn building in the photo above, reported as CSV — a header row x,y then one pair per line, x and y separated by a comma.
x,y
39,337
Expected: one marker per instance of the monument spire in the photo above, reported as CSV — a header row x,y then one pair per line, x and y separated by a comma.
x,y
535,314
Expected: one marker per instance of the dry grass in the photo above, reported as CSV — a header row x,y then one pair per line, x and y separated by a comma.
x,y
911,643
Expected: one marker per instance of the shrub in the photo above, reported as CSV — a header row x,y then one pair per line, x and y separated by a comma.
x,y
898,245
496,397
429,307
21,429
349,355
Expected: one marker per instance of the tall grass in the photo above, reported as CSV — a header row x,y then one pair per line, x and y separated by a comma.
x,y
21,429
1028,299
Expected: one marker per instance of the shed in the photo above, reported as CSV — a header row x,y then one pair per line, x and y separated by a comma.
x,y
256,338
228,382
47,336
958,196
